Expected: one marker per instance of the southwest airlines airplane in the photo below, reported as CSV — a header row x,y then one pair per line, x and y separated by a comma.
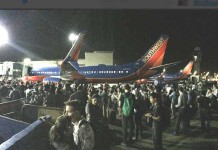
x,y
71,70
169,77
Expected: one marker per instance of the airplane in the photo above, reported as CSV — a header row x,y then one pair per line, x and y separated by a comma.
x,y
52,73
70,69
169,77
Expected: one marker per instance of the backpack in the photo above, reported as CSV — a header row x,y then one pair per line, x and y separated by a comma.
x,y
127,108
101,135
165,117
79,144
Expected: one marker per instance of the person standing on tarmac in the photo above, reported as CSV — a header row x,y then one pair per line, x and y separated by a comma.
x,y
82,131
183,111
127,105
157,123
205,112
138,112
173,98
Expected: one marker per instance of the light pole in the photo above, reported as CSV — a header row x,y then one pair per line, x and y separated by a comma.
x,y
3,36
197,60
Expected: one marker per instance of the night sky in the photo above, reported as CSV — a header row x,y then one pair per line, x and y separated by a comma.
x,y
43,34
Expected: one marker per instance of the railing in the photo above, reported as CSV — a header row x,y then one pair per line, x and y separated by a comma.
x,y
9,127
32,137
26,112
31,113
11,108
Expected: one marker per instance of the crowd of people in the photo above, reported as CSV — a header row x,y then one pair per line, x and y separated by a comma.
x,y
89,109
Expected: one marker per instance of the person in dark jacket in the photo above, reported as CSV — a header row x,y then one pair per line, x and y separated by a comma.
x,y
205,112
59,135
138,111
157,123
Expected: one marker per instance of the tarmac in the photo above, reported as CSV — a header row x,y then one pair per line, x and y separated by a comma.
x,y
195,139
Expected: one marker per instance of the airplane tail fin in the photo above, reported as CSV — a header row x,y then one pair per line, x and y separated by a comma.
x,y
74,52
154,56
156,51
187,70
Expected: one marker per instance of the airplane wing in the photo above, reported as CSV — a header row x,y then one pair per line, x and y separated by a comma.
x,y
161,67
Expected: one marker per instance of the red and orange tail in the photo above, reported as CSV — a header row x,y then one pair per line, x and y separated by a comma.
x,y
74,52
187,70
158,58
154,56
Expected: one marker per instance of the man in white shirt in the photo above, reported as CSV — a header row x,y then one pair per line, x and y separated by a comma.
x,y
82,131
182,112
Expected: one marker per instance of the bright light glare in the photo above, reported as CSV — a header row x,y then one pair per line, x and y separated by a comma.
x,y
3,36
73,37
27,61
195,58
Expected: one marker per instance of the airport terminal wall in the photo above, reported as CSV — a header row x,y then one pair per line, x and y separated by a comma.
x,y
24,136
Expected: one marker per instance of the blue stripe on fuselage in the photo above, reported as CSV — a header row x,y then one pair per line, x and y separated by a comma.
x,y
93,71
166,76
45,71
171,76
108,71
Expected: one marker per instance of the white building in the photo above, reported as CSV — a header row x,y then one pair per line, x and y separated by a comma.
x,y
10,70
99,57
91,59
